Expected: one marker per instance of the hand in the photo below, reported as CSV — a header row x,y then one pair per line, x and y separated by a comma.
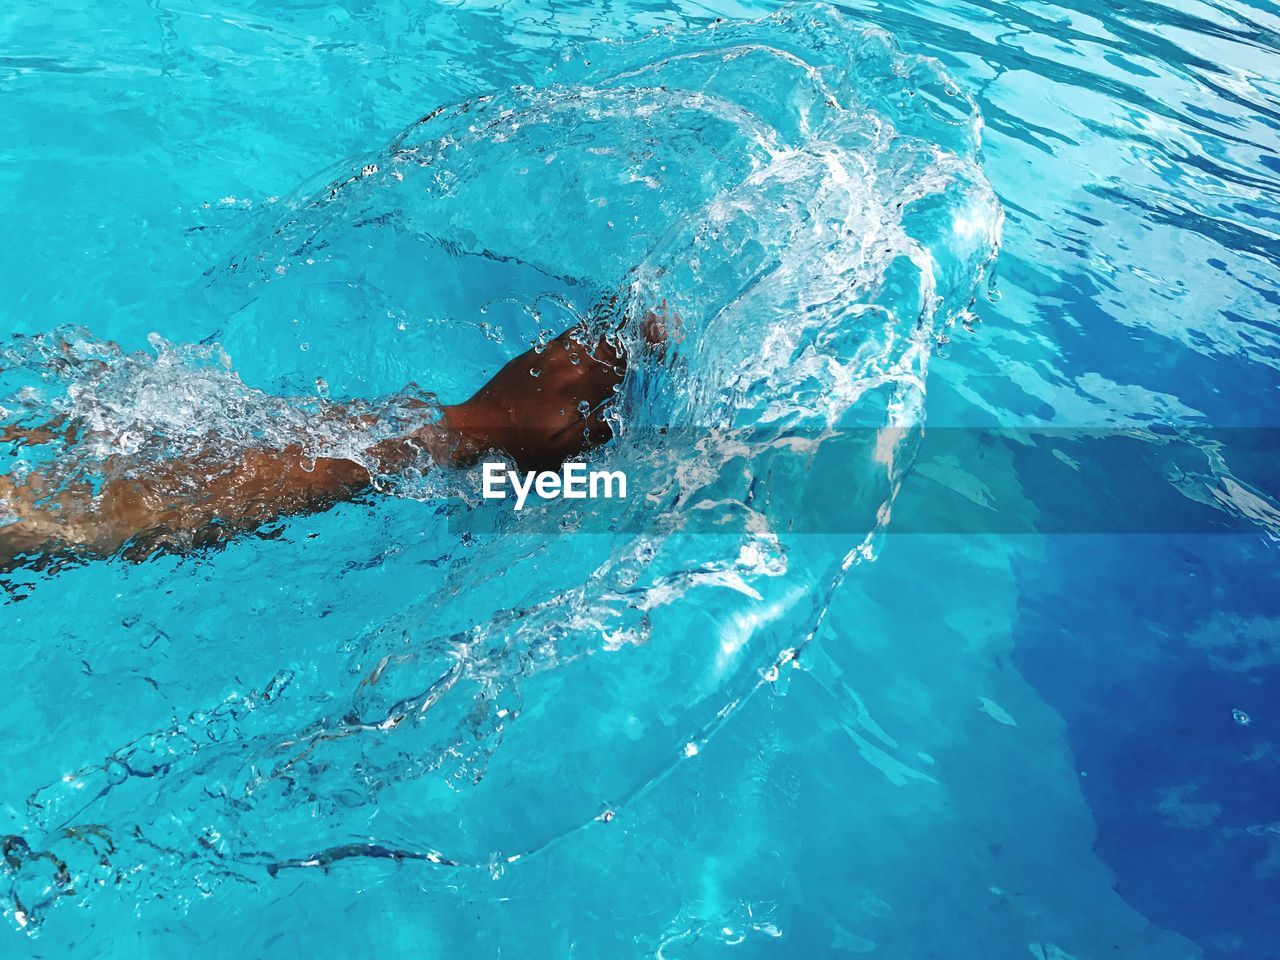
x,y
542,408
660,326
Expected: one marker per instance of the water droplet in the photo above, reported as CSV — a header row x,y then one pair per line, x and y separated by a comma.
x,y
535,372
1240,717
584,408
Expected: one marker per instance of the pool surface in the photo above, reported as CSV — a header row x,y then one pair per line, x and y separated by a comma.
x,y
943,617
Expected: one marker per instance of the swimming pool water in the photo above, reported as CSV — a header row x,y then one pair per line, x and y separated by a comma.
x,y
996,745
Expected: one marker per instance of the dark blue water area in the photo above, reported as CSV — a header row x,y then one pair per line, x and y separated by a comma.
x,y
1163,656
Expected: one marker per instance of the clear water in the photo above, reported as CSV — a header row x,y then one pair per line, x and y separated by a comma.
x,y
601,744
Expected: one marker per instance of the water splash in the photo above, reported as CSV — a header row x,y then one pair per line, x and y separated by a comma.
x,y
805,198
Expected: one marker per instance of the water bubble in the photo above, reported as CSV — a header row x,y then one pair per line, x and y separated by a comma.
x,y
497,866
1240,717
535,372
584,408
322,386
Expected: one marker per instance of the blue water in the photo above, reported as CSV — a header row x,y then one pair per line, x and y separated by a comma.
x,y
795,735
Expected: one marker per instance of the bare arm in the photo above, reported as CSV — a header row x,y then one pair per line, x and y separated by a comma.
x,y
540,409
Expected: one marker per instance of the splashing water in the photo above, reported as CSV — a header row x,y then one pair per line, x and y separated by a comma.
x,y
808,201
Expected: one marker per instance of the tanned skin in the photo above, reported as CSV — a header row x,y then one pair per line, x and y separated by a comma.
x,y
540,409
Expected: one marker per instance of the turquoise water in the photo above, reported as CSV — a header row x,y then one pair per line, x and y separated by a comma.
x,y
798,733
